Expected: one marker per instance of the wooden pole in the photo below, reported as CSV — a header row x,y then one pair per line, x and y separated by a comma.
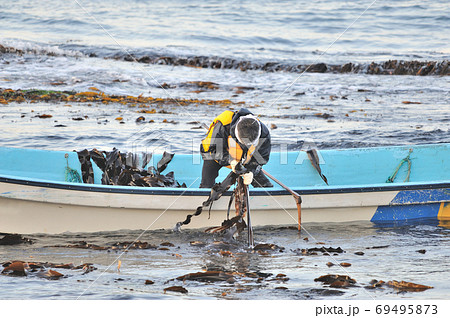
x,y
251,241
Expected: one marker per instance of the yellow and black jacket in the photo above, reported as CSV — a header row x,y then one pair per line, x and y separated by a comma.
x,y
222,145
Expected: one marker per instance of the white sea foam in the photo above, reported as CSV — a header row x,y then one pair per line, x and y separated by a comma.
x,y
39,48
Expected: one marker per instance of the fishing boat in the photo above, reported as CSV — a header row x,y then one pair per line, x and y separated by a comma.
x,y
380,184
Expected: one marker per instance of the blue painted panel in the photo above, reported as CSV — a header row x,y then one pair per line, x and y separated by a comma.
x,y
392,213
422,196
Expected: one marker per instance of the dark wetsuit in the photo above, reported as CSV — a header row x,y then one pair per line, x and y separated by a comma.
x,y
215,149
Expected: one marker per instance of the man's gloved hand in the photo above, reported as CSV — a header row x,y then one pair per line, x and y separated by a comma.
x,y
233,165
248,177
237,167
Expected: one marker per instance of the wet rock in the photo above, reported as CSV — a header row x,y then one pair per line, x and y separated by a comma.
x,y
14,239
347,68
318,68
391,67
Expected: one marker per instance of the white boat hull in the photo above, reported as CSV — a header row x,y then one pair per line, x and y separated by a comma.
x,y
29,209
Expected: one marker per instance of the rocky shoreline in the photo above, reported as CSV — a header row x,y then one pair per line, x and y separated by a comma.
x,y
391,67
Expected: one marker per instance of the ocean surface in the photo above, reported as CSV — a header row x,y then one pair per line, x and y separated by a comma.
x,y
253,54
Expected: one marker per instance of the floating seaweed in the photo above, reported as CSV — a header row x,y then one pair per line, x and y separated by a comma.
x,y
375,284
49,274
14,269
34,95
198,243
325,292
116,246
177,289
208,276
314,250
41,269
407,286
377,247
268,247
167,244
336,281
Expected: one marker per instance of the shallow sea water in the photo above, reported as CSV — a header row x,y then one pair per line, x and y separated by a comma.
x,y
390,253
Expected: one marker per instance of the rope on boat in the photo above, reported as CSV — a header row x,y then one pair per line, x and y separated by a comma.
x,y
394,174
71,175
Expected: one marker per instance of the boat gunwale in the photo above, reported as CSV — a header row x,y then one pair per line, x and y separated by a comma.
x,y
204,192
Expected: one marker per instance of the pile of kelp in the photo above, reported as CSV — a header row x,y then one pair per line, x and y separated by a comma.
x,y
124,169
